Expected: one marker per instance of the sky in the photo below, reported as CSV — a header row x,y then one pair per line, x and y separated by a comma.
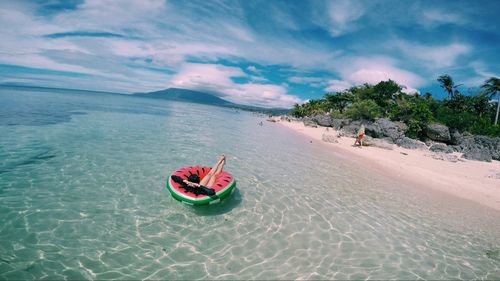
x,y
264,53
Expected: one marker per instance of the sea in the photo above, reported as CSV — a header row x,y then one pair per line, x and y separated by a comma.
x,y
83,196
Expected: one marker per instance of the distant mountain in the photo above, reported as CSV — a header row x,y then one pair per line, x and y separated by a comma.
x,y
185,95
167,94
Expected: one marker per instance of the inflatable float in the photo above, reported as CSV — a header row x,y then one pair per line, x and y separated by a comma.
x,y
223,186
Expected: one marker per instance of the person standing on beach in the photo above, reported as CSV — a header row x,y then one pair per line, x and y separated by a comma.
x,y
360,136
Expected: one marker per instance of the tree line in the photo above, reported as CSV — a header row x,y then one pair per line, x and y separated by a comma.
x,y
475,112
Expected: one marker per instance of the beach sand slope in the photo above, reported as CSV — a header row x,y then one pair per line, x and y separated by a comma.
x,y
466,179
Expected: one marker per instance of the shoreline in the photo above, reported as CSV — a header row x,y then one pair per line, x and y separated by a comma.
x,y
466,179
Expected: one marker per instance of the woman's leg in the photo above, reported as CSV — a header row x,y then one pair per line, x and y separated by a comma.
x,y
216,173
208,176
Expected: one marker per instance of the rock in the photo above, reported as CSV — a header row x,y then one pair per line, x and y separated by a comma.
x,y
351,129
322,120
284,118
477,153
385,128
479,147
438,132
489,143
330,136
440,147
339,123
310,123
456,148
406,142
380,143
445,157
456,137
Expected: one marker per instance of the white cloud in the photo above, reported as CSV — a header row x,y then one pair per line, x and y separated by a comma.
x,y
434,56
432,18
240,33
343,14
371,70
252,68
164,35
305,80
258,79
481,73
216,79
338,85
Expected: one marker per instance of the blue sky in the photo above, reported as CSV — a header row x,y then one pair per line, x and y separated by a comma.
x,y
266,53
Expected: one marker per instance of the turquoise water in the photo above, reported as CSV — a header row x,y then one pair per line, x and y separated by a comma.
x,y
82,196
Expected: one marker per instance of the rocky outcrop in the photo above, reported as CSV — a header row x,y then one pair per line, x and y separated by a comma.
x,y
309,123
338,124
456,137
440,147
478,154
322,120
490,144
438,132
406,142
384,128
480,148
351,129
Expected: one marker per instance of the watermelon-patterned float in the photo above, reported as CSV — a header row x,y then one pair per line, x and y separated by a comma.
x,y
223,186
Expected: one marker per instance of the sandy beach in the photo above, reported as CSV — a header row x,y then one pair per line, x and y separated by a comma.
x,y
471,180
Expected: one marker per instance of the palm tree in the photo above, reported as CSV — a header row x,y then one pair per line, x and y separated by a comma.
x,y
448,85
492,87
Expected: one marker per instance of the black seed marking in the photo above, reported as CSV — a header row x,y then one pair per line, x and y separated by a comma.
x,y
203,169
198,172
219,184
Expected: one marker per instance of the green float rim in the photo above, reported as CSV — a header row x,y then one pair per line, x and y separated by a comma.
x,y
202,201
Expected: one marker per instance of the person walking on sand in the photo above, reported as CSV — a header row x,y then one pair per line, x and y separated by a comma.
x,y
360,136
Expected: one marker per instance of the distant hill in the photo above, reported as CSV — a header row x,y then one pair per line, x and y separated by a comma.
x,y
185,95
175,94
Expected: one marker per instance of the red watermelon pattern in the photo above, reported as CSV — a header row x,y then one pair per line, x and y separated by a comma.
x,y
223,180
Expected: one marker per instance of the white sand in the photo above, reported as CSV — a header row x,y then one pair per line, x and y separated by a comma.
x,y
467,179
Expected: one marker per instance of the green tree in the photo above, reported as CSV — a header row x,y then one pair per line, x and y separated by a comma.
x,y
297,111
339,101
413,111
448,85
385,91
365,109
492,87
479,104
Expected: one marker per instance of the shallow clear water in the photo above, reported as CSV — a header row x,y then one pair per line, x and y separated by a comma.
x,y
82,196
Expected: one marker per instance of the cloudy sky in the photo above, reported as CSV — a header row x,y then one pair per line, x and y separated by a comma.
x,y
267,53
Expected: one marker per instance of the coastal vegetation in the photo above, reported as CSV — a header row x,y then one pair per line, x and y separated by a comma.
x,y
475,111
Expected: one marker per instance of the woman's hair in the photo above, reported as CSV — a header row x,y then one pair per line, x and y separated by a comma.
x,y
194,178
